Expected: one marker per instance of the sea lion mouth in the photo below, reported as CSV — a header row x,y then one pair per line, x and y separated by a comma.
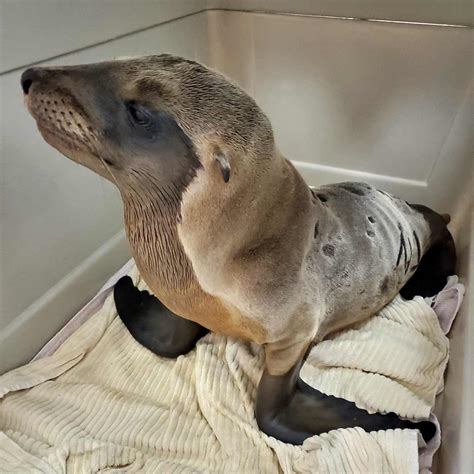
x,y
62,140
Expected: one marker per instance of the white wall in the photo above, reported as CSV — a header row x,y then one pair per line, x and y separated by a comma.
x,y
457,401
455,12
352,100
36,30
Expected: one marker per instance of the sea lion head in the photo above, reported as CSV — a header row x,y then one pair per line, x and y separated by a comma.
x,y
153,120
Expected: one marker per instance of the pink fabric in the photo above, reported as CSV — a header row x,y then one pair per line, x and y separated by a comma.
x,y
447,302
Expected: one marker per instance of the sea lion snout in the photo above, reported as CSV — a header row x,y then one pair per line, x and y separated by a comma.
x,y
28,77
61,103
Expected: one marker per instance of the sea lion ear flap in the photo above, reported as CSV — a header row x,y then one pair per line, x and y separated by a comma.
x,y
223,164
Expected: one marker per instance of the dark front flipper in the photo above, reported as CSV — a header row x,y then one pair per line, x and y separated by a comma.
x,y
152,324
436,265
291,411
438,261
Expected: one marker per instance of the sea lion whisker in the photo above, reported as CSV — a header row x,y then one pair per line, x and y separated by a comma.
x,y
109,170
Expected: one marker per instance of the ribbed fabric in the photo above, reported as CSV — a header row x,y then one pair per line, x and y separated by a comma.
x,y
102,401
393,362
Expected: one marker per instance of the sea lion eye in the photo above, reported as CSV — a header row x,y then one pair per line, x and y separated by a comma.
x,y
139,115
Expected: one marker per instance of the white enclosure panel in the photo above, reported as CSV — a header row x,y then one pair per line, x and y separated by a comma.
x,y
29,331
458,12
451,184
54,213
34,30
457,412
351,99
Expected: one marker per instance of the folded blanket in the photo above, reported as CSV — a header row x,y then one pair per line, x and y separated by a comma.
x,y
100,401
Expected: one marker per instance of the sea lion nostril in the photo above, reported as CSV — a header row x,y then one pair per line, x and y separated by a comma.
x,y
26,84
27,79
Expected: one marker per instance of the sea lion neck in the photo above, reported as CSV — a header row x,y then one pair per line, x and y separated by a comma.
x,y
151,215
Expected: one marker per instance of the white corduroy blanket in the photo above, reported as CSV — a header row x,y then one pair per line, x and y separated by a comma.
x,y
101,402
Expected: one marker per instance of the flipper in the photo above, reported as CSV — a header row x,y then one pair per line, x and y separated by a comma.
x,y
152,324
438,263
291,411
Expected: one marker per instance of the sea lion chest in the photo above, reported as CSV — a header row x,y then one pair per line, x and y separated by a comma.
x,y
167,271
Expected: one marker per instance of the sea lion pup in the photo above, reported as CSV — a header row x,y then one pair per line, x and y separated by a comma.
x,y
226,233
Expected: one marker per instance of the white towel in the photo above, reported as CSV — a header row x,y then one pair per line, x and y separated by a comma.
x,y
103,402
